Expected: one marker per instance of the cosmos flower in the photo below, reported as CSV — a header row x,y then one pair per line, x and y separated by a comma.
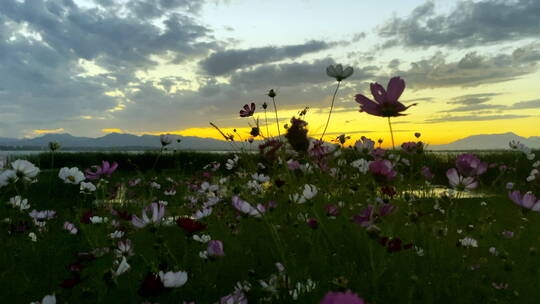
x,y
470,165
386,102
248,110
70,227
122,267
338,72
25,170
173,279
527,201
98,172
382,169
71,175
19,202
158,211
459,182
342,298
215,248
190,226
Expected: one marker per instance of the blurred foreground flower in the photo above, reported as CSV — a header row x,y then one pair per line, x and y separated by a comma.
x,y
342,298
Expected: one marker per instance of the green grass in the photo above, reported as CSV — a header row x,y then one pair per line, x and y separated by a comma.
x,y
338,255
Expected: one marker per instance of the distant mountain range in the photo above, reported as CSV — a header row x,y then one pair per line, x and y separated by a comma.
x,y
122,141
488,142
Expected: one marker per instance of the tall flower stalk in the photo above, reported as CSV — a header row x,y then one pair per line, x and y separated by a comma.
x,y
391,134
339,74
272,94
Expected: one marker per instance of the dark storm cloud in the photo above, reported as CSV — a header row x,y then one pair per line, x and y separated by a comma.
x,y
294,74
43,42
224,62
468,24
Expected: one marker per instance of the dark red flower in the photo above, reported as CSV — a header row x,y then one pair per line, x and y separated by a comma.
x,y
151,286
72,282
394,245
190,226
85,218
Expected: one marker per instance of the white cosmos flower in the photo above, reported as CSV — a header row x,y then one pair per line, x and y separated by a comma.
x,y
173,279
260,177
338,72
202,213
19,202
70,227
46,300
362,165
25,170
32,236
98,219
7,177
123,267
308,193
205,238
468,242
71,175
87,187
116,235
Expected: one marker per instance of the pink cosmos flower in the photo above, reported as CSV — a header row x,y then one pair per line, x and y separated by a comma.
x,y
158,211
70,227
248,110
342,298
215,248
527,201
386,102
364,145
470,165
383,169
459,182
97,172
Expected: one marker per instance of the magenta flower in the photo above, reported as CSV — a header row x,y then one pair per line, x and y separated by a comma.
x,y
470,165
248,110
97,172
527,201
215,248
386,102
382,169
342,298
459,182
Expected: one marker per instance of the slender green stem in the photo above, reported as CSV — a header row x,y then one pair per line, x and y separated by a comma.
x,y
266,123
330,113
277,120
391,134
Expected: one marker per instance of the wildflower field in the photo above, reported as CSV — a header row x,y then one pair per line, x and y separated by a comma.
x,y
301,221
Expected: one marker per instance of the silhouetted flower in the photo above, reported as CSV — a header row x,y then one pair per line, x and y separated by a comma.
x,y
386,102
248,110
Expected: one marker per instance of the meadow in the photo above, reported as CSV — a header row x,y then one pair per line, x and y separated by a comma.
x,y
302,221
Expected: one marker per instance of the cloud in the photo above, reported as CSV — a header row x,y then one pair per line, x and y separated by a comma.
x,y
473,118
471,70
531,104
473,99
43,45
470,23
224,62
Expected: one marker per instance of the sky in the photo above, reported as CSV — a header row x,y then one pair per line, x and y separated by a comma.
x,y
91,67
